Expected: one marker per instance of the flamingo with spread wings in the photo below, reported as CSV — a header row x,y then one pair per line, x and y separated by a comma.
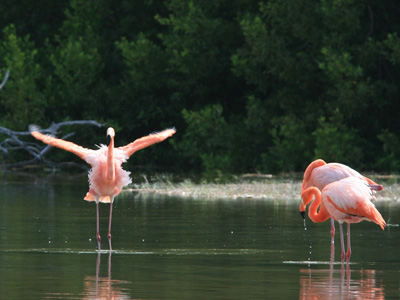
x,y
106,178
319,174
347,200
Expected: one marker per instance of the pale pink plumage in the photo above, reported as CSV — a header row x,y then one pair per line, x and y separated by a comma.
x,y
106,178
349,200
97,186
346,200
319,174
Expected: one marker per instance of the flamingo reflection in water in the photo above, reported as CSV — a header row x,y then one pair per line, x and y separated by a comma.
x,y
335,284
98,288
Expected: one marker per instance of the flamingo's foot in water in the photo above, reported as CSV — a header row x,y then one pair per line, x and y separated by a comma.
x,y
348,254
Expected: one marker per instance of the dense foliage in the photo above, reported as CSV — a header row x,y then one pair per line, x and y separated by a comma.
x,y
250,85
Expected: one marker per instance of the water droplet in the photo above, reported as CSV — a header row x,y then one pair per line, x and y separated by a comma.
x,y
305,226
231,232
90,240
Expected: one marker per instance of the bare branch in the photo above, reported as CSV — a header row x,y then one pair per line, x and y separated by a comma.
x,y
3,83
37,149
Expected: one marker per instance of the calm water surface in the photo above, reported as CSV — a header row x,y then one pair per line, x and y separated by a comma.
x,y
174,248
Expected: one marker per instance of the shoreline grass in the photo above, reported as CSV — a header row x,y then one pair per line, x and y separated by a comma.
x,y
247,186
275,188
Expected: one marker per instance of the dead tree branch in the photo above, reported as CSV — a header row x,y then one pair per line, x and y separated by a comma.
x,y
3,83
37,149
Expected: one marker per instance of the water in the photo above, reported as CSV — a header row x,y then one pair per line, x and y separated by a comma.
x,y
173,248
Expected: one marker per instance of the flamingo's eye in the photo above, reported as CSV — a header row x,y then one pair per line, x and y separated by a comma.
x,y
108,139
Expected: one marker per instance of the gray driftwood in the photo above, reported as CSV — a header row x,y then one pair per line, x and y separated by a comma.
x,y
3,83
37,149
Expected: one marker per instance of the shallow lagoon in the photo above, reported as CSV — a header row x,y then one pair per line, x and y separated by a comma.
x,y
183,248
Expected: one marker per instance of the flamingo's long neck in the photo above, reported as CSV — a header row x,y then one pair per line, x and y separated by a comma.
x,y
110,160
315,216
307,173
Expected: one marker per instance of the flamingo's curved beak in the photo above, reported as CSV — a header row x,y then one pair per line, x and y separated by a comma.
x,y
375,187
302,209
110,135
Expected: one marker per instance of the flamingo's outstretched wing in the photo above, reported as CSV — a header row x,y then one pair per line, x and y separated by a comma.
x,y
146,141
59,143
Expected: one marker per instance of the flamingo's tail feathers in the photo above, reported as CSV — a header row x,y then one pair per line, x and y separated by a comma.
x,y
382,222
105,199
89,197
377,218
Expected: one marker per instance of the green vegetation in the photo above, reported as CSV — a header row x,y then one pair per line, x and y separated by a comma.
x,y
250,85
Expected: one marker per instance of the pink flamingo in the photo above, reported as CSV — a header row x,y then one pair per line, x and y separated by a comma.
x,y
319,174
106,178
347,200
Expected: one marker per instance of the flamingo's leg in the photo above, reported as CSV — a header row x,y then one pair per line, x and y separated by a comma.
x,y
332,253
342,240
348,254
98,225
109,223
332,230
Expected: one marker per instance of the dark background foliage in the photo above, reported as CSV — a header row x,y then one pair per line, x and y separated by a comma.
x,y
250,86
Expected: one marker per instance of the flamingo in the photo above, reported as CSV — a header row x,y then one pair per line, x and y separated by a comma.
x,y
319,174
347,200
106,178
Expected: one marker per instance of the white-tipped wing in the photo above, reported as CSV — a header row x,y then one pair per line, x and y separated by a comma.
x,y
147,141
